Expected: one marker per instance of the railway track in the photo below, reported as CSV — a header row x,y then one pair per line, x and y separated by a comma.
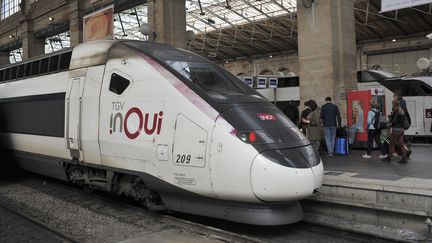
x,y
78,216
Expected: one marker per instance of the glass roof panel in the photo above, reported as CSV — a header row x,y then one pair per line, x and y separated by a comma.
x,y
57,42
127,23
216,14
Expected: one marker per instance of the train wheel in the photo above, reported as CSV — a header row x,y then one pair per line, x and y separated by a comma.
x,y
145,196
153,202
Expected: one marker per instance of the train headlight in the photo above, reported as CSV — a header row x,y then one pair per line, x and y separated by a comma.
x,y
255,137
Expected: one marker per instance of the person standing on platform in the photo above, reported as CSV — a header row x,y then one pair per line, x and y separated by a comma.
x,y
373,131
397,95
331,118
396,117
304,122
314,130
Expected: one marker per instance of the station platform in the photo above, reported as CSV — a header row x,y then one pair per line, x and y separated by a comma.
x,y
396,198
419,165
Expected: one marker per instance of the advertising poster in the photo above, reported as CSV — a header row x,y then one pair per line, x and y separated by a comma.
x,y
273,82
248,81
357,115
262,83
99,25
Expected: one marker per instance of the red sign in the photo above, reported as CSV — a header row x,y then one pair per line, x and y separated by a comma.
x,y
428,113
266,117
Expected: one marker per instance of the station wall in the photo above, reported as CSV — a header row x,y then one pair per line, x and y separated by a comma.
x,y
399,57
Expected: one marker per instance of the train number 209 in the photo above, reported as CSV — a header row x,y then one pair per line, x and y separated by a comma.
x,y
183,159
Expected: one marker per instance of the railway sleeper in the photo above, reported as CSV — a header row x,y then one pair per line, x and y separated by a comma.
x,y
117,183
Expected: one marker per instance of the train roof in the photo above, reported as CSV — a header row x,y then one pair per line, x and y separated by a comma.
x,y
97,52
86,54
91,53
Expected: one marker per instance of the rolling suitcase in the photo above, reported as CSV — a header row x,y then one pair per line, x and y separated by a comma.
x,y
397,148
342,146
342,141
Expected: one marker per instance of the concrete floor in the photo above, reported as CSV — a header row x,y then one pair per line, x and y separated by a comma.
x,y
419,165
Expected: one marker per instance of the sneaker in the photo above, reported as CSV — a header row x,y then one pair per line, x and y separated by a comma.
x,y
366,156
383,156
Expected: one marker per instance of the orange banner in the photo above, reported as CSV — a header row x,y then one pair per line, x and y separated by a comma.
x,y
99,25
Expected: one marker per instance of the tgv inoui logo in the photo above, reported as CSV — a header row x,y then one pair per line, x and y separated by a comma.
x,y
134,121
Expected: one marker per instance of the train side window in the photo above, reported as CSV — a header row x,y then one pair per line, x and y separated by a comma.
x,y
21,71
427,90
406,87
118,84
14,72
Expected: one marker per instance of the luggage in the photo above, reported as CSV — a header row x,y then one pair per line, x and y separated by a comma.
x,y
342,146
342,140
352,132
397,148
342,132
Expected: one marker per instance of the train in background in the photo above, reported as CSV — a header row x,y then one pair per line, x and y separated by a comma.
x,y
416,90
165,126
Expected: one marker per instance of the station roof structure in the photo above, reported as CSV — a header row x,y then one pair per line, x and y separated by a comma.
x,y
232,29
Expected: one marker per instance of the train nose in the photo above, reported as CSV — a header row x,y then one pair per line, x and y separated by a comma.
x,y
286,175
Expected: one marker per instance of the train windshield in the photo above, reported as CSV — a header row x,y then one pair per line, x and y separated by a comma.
x,y
201,73
207,77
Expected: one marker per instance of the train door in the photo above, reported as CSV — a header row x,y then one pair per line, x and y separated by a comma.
x,y
74,106
90,115
415,109
189,156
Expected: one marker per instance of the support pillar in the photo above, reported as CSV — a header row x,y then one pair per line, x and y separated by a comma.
x,y
327,51
4,58
76,10
362,62
31,46
168,21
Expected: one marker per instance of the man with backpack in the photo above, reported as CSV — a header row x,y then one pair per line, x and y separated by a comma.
x,y
374,131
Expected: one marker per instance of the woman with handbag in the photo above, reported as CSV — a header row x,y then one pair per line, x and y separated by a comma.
x,y
398,121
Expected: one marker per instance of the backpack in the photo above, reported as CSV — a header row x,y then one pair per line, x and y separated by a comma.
x,y
376,120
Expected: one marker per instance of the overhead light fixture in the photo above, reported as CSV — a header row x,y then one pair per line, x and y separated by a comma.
x,y
394,40
190,35
11,36
429,36
227,62
271,56
51,19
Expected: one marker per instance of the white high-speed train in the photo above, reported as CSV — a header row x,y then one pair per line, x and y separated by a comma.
x,y
162,125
